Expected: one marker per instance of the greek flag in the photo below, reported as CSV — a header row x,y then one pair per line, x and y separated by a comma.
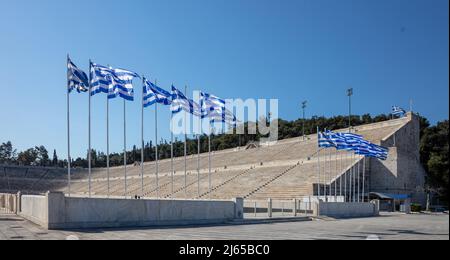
x,y
353,141
214,108
154,94
122,84
373,150
196,109
379,152
181,103
101,79
224,116
398,111
76,78
339,141
324,140
211,103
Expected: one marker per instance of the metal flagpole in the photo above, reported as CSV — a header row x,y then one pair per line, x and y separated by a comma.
x,y
340,180
156,150
364,179
350,179
142,139
171,152
359,181
209,161
107,144
318,164
68,131
355,187
198,156
156,147
325,174
354,180
89,138
330,176
185,149
335,181
125,145
345,186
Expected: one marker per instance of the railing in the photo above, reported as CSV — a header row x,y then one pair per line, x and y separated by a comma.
x,y
9,203
279,208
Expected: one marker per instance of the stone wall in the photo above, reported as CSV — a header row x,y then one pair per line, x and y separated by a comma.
x,y
346,210
34,208
56,211
402,172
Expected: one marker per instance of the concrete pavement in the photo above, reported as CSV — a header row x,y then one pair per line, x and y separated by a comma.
x,y
388,226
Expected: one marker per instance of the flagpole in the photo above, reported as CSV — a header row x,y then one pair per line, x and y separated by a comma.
x,y
89,136
350,178
107,143
171,152
359,181
354,179
142,138
330,175
125,145
364,179
68,131
209,161
335,178
340,180
318,163
185,148
325,173
355,191
198,156
345,186
156,148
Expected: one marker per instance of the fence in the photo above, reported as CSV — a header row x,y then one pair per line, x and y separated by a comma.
x,y
9,203
279,208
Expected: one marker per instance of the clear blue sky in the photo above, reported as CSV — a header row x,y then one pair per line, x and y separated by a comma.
x,y
388,51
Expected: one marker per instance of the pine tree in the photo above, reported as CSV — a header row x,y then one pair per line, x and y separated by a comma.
x,y
55,159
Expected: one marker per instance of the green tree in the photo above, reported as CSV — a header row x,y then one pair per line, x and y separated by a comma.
x,y
55,159
28,157
7,153
434,155
42,156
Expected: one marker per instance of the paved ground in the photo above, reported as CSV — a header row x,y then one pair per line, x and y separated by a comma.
x,y
387,226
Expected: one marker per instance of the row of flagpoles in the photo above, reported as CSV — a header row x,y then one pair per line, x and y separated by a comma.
x,y
119,83
358,146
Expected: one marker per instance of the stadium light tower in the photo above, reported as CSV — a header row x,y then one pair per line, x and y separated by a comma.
x,y
350,94
304,107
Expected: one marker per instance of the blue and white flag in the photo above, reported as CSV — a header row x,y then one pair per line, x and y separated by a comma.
x,y
353,141
76,78
211,103
398,111
324,140
181,103
196,109
373,150
225,116
101,79
214,108
122,84
339,141
154,94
